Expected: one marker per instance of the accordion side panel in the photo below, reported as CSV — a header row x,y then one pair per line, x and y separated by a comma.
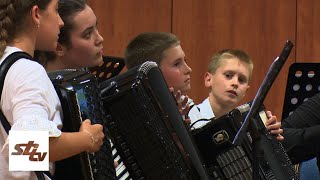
x,y
145,136
80,99
225,160
222,158
142,130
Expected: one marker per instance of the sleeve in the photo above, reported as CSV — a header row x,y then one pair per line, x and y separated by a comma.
x,y
302,131
194,113
33,101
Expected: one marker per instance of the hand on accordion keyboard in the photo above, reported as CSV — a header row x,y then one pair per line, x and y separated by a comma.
x,y
274,126
94,133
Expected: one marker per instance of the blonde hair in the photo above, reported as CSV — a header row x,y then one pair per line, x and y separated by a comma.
x,y
221,56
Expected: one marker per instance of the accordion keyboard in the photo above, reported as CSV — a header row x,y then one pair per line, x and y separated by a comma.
x,y
235,164
121,171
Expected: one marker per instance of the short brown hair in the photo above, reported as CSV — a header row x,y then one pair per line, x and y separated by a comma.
x,y
149,46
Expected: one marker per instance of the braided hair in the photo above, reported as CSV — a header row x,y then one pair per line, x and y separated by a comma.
x,y
12,18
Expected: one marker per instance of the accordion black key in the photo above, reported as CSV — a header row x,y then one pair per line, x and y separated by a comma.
x,y
227,161
80,99
147,128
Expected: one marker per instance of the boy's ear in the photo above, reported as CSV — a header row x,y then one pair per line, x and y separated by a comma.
x,y
35,15
207,79
246,91
247,88
60,50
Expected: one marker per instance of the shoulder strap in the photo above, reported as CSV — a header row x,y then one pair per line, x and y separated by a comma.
x,y
7,63
4,68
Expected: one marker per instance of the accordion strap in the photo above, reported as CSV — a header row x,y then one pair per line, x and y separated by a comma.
x,y
4,68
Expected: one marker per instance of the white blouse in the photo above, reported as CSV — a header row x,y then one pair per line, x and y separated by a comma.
x,y
29,102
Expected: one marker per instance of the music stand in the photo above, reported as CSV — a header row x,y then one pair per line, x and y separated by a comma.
x,y
303,82
111,67
273,151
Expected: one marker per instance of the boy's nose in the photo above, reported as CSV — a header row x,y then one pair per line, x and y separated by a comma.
x,y
235,82
188,69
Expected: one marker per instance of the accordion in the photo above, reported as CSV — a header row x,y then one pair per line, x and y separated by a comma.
x,y
227,161
80,99
147,128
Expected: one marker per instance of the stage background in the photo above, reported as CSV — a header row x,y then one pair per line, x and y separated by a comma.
x,y
207,26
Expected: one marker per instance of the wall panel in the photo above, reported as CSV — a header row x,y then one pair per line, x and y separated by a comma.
x,y
258,27
308,31
121,20
206,26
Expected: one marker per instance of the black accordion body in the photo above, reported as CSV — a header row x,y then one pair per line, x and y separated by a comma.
x,y
147,128
227,161
80,99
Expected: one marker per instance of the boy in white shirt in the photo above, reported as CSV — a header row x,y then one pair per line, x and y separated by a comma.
x,y
228,77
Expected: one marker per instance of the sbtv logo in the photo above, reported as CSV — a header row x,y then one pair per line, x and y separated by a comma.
x,y
28,150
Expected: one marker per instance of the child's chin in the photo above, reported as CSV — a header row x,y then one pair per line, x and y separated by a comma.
x,y
185,91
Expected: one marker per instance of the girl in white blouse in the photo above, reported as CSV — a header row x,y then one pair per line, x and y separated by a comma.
x,y
28,100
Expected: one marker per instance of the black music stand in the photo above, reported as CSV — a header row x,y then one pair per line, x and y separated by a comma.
x,y
262,140
303,82
111,67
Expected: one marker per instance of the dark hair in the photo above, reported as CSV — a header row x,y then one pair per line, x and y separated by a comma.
x,y
67,10
12,18
149,46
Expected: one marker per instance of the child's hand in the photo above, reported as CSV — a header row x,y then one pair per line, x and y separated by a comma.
x,y
95,135
115,164
274,126
182,102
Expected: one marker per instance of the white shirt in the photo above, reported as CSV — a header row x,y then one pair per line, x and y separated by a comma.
x,y
29,102
201,111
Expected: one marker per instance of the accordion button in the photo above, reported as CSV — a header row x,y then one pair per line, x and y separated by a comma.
x,y
130,160
126,152
134,166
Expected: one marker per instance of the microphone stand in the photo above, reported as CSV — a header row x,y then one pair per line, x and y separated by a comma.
x,y
256,127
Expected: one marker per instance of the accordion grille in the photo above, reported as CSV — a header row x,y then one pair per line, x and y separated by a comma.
x,y
79,96
140,135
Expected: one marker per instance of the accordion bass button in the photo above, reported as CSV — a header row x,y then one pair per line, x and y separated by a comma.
x,y
126,152
138,174
123,146
134,166
130,160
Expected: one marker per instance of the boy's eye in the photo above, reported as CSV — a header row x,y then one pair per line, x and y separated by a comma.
x,y
242,80
228,75
177,63
87,34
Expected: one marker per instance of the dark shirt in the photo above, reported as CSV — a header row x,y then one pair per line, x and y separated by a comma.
x,y
302,131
